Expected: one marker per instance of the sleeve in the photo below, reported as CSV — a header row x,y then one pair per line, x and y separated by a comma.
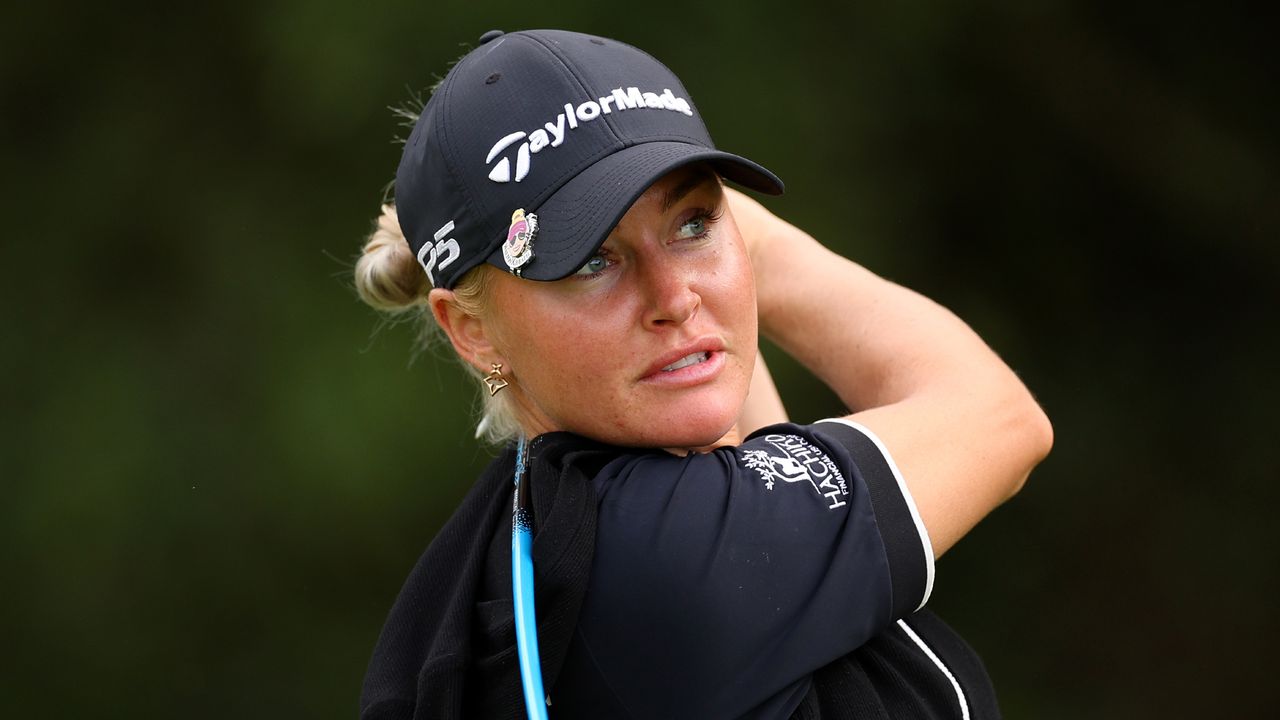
x,y
721,581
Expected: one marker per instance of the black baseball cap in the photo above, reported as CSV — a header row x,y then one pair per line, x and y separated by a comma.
x,y
534,146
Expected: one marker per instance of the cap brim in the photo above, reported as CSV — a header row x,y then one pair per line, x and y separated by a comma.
x,y
577,218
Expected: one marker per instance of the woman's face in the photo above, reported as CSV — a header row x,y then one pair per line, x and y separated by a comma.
x,y
652,343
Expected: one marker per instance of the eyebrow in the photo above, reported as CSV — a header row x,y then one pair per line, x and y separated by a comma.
x,y
695,180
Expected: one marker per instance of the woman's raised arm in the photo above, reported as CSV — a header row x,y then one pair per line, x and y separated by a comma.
x,y
963,430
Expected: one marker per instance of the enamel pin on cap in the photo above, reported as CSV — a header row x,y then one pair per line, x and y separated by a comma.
x,y
518,249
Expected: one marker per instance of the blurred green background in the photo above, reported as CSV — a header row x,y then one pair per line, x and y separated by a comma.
x,y
218,466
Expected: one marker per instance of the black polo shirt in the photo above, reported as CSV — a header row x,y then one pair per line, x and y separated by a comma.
x,y
722,581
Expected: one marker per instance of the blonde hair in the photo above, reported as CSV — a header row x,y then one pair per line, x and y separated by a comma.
x,y
389,278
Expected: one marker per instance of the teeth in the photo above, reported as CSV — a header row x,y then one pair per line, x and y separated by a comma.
x,y
686,361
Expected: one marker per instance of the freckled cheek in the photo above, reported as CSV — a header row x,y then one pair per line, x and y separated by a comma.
x,y
729,289
584,362
728,269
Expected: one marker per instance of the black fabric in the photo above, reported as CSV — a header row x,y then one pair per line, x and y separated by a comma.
x,y
890,678
902,536
448,647
726,578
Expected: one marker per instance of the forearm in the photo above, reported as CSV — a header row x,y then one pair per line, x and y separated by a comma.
x,y
873,342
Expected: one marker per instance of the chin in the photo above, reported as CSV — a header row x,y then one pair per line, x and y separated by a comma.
x,y
695,421
692,430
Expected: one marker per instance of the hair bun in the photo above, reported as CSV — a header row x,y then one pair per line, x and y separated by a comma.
x,y
387,275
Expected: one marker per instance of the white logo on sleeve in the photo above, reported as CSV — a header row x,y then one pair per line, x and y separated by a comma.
x,y
797,459
552,134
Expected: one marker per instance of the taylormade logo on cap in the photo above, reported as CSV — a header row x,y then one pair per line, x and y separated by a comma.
x,y
552,134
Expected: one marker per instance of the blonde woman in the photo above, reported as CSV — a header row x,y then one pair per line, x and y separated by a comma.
x,y
562,215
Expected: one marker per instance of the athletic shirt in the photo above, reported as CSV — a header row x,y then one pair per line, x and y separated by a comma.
x,y
778,579
723,581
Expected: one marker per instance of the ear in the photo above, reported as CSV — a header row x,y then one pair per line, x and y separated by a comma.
x,y
466,331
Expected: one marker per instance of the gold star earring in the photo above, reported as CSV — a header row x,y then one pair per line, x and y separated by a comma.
x,y
494,379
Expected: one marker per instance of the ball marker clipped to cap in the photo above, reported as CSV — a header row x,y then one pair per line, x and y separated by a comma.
x,y
518,249
534,146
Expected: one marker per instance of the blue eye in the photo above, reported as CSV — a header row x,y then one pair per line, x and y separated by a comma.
x,y
695,227
594,266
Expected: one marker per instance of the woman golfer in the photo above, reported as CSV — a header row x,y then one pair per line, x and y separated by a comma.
x,y
678,548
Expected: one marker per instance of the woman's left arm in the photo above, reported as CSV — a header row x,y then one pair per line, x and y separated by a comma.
x,y
960,425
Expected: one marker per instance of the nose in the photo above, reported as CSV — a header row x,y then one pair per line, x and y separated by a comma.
x,y
671,298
